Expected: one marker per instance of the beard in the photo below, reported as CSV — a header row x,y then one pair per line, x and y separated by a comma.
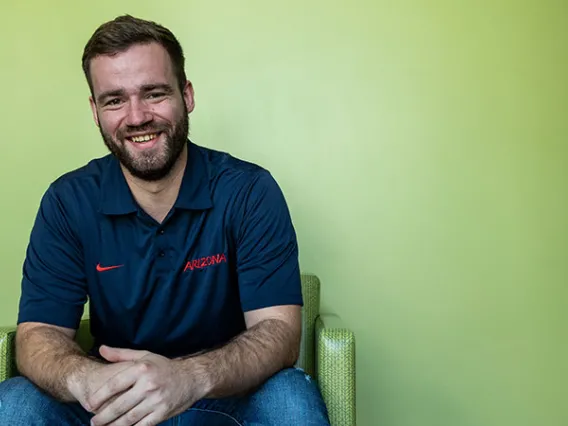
x,y
150,166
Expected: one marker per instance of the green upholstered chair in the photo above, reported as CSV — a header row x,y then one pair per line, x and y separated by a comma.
x,y
327,354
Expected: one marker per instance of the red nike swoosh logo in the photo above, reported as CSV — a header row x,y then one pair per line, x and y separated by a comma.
x,y
107,268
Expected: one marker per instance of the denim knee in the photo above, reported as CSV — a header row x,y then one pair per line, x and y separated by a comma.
x,y
20,402
290,397
23,403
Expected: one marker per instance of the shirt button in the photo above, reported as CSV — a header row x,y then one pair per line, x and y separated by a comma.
x,y
162,232
161,254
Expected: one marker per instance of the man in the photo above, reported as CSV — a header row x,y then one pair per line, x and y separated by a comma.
x,y
187,255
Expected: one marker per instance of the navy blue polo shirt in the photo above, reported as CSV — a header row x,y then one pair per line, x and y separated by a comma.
x,y
227,246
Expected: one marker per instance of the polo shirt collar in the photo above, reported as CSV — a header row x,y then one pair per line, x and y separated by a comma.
x,y
194,193
116,198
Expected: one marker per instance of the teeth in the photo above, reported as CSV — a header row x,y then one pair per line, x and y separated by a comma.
x,y
143,138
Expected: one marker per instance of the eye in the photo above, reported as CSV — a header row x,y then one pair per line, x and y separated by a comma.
x,y
113,102
156,95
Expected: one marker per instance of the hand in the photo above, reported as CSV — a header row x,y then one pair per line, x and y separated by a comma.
x,y
151,390
90,379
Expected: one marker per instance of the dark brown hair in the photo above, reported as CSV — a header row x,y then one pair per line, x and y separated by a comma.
x,y
123,32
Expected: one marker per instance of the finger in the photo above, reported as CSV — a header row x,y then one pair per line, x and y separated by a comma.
x,y
142,411
113,386
120,354
106,404
124,410
152,419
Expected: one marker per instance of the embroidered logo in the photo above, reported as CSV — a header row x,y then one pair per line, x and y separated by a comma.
x,y
107,268
204,262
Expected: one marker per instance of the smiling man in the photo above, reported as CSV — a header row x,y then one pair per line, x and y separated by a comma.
x,y
187,255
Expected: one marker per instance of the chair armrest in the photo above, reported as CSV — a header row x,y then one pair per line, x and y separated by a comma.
x,y
7,354
335,368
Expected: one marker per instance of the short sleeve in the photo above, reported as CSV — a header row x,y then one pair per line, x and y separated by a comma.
x,y
54,289
267,251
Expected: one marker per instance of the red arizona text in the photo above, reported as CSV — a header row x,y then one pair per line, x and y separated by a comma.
x,y
204,262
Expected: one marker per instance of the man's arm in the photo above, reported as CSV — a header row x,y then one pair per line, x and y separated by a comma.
x,y
270,343
270,292
49,357
54,291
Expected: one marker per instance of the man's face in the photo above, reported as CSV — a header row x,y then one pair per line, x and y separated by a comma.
x,y
137,104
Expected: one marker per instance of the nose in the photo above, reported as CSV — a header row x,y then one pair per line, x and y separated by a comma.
x,y
137,114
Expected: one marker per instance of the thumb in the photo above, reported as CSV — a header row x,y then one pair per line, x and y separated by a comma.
x,y
120,354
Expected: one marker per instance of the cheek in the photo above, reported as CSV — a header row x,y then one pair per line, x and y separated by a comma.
x,y
167,112
109,123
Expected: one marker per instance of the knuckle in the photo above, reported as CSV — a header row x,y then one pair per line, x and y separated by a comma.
x,y
168,405
152,385
112,412
112,386
132,417
90,402
144,367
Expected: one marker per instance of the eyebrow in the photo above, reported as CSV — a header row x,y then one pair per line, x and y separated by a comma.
x,y
109,94
144,89
161,86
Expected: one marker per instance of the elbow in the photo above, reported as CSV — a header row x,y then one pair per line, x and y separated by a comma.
x,y
20,353
294,350
292,360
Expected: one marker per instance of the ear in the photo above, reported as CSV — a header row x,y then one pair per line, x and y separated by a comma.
x,y
94,109
188,96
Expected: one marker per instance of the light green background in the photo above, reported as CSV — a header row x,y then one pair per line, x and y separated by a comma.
x,y
421,146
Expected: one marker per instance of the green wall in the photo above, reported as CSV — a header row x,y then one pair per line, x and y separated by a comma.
x,y
421,146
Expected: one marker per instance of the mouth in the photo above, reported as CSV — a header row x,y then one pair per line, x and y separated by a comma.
x,y
147,140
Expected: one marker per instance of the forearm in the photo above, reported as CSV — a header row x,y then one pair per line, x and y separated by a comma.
x,y
51,360
248,360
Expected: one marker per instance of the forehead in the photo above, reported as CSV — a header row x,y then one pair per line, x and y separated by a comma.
x,y
139,65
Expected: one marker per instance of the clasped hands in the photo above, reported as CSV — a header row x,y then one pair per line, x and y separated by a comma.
x,y
137,388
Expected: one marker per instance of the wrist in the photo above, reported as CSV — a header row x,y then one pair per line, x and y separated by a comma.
x,y
76,375
196,372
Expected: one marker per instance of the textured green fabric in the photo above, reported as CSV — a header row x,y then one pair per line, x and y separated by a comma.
x,y
327,353
335,367
311,295
83,336
7,360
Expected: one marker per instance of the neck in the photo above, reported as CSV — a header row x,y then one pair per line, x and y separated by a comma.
x,y
157,198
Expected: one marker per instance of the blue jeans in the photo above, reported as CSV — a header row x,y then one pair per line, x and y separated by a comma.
x,y
289,397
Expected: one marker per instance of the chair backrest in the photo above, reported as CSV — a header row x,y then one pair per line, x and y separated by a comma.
x,y
310,311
